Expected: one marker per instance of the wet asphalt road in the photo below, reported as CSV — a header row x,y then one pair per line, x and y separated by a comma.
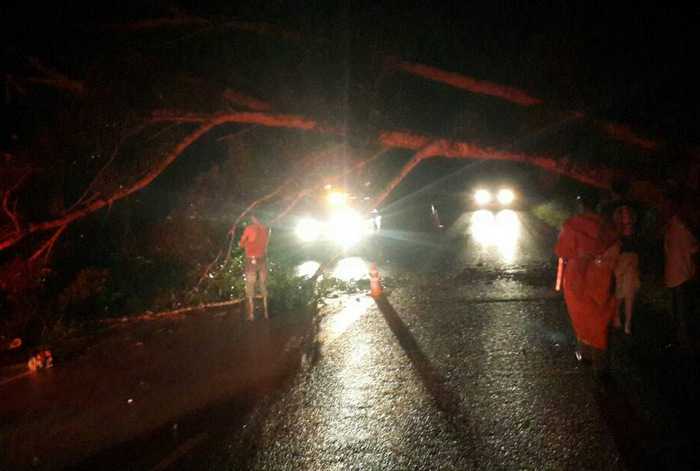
x,y
467,363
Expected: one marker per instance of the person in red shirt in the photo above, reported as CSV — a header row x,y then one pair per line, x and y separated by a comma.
x,y
254,243
589,249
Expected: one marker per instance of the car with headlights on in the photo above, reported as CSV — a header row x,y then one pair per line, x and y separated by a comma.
x,y
493,197
335,219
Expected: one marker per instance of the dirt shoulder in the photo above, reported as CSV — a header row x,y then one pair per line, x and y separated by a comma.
x,y
131,380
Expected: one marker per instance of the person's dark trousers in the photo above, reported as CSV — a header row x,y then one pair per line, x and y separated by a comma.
x,y
597,358
682,307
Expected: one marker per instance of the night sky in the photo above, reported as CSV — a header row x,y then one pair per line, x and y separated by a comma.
x,y
633,65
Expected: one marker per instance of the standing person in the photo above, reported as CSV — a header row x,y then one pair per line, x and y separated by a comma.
x,y
621,213
680,247
254,242
589,250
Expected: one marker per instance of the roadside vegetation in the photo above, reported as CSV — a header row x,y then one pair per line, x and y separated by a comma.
x,y
156,253
553,213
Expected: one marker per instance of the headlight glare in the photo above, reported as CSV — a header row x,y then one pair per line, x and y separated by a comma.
x,y
506,196
482,197
346,227
308,230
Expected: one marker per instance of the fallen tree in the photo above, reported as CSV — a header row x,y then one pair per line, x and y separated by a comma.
x,y
512,94
617,131
426,147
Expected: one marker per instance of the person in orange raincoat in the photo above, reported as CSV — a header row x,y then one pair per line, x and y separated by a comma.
x,y
589,249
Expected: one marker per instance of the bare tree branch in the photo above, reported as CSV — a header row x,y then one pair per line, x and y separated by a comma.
x,y
12,213
55,79
514,95
511,94
392,139
186,21
464,82
175,313
246,101
158,23
597,177
48,245
408,167
100,172
625,134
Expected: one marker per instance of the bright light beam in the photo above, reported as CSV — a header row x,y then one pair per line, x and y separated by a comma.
x,y
482,226
337,199
482,197
346,227
501,230
505,196
351,268
308,230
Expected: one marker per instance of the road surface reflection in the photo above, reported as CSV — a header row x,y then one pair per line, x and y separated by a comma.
x,y
346,269
351,268
500,230
338,323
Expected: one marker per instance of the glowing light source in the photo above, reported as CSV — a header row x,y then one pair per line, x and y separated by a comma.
x,y
308,230
337,198
482,197
346,227
505,196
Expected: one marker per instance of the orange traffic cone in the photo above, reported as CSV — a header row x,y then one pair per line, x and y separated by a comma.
x,y
375,284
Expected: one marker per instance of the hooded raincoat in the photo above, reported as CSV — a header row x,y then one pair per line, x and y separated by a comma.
x,y
590,252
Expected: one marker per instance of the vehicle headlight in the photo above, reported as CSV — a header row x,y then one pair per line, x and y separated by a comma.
x,y
482,197
308,229
505,196
337,199
346,227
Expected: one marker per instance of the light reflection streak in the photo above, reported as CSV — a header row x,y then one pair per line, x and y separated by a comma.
x,y
347,269
501,230
351,268
355,384
354,309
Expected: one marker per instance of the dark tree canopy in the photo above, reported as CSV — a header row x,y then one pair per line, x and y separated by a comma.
x,y
175,110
